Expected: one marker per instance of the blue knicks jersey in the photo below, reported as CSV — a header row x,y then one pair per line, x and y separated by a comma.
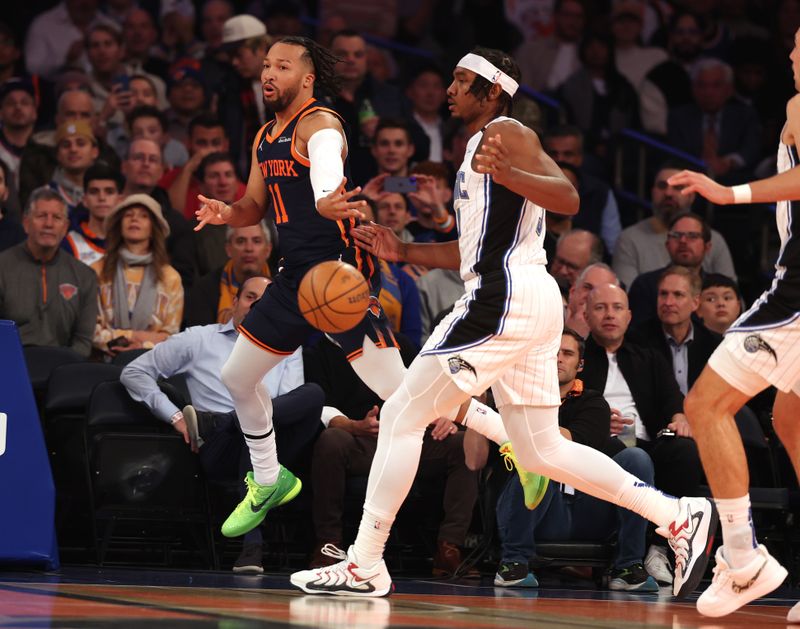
x,y
304,237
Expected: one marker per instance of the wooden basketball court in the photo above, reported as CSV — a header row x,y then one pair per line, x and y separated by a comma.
x,y
119,598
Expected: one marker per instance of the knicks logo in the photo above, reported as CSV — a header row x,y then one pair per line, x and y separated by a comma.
x,y
278,168
374,307
68,291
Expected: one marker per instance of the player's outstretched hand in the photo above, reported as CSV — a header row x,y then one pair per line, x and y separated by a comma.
x,y
493,160
702,185
338,205
379,240
212,212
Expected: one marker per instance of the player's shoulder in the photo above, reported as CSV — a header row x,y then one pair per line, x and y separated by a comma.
x,y
511,130
319,118
793,107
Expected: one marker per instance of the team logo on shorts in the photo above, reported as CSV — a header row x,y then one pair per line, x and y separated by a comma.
x,y
754,343
456,364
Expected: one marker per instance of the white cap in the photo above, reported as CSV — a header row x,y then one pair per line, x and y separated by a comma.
x,y
241,27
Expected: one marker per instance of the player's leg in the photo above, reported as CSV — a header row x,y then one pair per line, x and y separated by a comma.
x,y
744,571
270,484
425,394
785,414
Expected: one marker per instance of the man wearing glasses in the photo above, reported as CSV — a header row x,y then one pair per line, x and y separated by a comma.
x,y
640,247
689,244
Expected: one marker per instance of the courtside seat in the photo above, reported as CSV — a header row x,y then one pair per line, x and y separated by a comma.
x,y
145,481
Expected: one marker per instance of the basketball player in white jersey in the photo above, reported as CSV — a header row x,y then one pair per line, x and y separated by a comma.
x,y
761,348
504,333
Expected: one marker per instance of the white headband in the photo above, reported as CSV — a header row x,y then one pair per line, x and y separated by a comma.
x,y
488,71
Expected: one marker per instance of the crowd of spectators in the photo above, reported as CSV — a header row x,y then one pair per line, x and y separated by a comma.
x,y
115,115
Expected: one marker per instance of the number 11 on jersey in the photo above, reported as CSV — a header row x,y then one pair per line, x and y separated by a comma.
x,y
277,203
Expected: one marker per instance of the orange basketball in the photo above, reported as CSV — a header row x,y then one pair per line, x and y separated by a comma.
x,y
333,296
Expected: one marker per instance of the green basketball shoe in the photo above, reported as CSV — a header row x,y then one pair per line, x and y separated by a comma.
x,y
251,511
534,486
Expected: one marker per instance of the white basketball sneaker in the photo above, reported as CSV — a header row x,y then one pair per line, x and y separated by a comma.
x,y
733,587
691,535
794,613
345,578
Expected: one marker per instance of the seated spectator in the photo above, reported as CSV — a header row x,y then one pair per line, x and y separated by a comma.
x,y
76,152
240,104
718,128
399,296
593,275
140,36
438,290
599,212
218,180
210,424
55,37
686,345
148,122
391,210
18,115
638,384
11,232
427,93
575,250
212,27
86,241
393,147
206,136
178,41
598,99
566,514
140,297
431,204
640,247
212,297
688,243
633,60
186,93
644,396
347,446
112,99
720,303
363,100
143,167
49,294
38,160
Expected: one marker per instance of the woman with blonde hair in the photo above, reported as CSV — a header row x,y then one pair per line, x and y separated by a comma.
x,y
140,296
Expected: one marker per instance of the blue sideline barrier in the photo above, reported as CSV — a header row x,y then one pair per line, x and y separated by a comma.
x,y
27,493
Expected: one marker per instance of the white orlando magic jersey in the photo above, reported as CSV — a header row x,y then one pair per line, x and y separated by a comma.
x,y
497,228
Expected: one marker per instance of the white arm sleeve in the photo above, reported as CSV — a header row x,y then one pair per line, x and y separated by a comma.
x,y
327,168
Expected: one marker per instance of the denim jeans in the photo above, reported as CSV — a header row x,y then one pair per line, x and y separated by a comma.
x,y
562,517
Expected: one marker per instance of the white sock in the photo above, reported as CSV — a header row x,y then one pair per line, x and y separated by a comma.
x,y
738,536
484,421
243,373
373,532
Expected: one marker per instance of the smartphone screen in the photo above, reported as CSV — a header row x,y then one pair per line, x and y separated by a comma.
x,y
124,82
403,185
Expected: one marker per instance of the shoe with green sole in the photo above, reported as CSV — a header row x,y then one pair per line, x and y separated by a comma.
x,y
251,511
534,485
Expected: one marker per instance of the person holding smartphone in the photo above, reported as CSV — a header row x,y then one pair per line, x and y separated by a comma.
x,y
109,80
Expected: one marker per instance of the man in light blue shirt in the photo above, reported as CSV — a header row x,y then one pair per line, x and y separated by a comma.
x,y
199,353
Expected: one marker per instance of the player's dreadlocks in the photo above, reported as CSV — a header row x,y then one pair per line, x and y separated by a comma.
x,y
502,61
322,60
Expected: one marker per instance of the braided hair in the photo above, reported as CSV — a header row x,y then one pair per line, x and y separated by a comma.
x,y
322,60
502,61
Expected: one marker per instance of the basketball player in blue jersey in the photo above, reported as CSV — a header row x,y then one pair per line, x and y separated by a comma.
x,y
504,333
297,177
761,348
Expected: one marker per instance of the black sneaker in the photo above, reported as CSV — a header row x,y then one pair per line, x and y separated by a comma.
x,y
631,579
249,560
514,574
